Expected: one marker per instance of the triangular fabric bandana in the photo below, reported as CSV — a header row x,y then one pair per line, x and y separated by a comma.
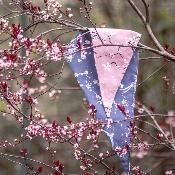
x,y
105,63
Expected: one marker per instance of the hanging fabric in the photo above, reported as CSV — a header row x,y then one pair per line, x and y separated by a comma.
x,y
105,63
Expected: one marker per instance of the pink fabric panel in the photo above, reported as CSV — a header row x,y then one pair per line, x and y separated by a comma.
x,y
112,61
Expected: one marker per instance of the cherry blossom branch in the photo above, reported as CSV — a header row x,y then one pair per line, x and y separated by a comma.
x,y
41,52
29,159
155,122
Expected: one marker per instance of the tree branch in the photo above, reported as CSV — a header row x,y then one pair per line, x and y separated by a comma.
x,y
145,20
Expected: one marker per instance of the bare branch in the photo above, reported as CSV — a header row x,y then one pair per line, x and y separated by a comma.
x,y
146,24
146,10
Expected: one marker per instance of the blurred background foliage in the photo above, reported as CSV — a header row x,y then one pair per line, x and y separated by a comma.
x,y
152,92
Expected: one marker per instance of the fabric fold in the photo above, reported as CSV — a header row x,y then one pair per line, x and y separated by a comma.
x,y
111,60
